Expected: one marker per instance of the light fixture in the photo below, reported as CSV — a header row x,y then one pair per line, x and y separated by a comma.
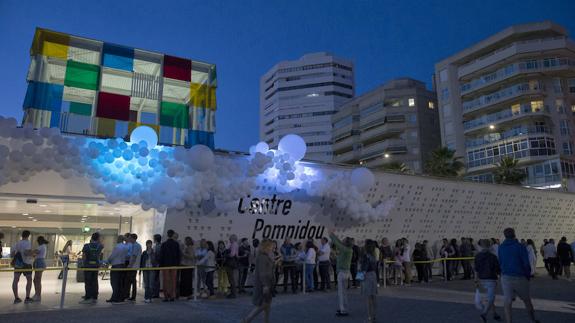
x,y
34,220
491,127
24,214
30,217
47,211
42,205
386,155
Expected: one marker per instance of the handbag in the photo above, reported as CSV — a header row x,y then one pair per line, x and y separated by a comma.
x,y
360,276
17,261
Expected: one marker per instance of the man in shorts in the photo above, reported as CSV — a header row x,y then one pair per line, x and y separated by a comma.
x,y
515,274
23,259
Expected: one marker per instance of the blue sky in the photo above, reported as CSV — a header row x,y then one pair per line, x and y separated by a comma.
x,y
385,39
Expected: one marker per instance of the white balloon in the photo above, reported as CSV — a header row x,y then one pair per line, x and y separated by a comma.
x,y
294,145
201,158
262,147
362,178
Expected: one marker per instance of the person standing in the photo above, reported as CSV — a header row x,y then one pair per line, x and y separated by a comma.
x,y
369,283
134,263
170,256
354,263
406,258
288,254
324,264
243,264
550,254
430,256
208,264
344,255
39,266
148,260
532,255
300,263
231,264
386,254
515,274
201,252
486,267
420,256
542,251
220,261
264,280
91,256
446,252
127,283
187,275
22,261
565,257
310,259
117,259
157,253
466,251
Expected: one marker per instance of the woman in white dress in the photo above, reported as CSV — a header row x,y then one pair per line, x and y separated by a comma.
x,y
531,251
39,266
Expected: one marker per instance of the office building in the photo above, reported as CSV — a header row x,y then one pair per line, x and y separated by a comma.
x,y
301,96
89,87
396,122
512,94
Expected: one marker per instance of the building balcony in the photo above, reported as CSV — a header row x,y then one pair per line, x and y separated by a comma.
x,y
511,70
381,147
519,47
505,94
511,134
382,131
504,116
344,144
350,157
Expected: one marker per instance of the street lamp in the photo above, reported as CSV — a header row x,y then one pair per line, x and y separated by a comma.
x,y
386,155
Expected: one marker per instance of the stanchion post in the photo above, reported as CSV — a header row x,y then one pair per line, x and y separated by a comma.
x,y
384,275
303,279
197,283
445,269
64,280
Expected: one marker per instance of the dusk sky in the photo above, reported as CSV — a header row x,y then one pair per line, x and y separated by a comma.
x,y
384,39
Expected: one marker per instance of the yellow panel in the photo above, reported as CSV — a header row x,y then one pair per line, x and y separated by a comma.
x,y
55,50
106,127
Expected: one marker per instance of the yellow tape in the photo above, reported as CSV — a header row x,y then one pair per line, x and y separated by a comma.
x,y
433,260
103,269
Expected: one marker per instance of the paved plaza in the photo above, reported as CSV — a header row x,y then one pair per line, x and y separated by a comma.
x,y
434,302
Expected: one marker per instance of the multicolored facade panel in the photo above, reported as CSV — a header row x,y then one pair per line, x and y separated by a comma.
x,y
94,88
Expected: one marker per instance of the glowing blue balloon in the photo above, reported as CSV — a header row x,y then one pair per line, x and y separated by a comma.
x,y
146,134
294,145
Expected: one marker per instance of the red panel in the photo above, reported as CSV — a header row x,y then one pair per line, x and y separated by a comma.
x,y
177,68
113,106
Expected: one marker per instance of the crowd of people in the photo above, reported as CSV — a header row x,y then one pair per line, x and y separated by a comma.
x,y
238,265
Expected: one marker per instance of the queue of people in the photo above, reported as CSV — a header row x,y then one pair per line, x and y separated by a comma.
x,y
239,265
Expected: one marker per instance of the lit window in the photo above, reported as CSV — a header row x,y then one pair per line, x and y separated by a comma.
x,y
431,105
411,102
573,108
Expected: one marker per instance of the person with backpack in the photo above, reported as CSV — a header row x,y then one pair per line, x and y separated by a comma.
x,y
22,260
368,266
91,256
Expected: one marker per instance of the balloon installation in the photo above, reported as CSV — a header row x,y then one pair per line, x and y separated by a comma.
x,y
142,173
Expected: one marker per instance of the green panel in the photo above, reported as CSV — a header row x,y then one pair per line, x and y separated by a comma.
x,y
81,108
82,75
174,115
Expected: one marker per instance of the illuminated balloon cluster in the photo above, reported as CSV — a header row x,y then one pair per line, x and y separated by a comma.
x,y
142,173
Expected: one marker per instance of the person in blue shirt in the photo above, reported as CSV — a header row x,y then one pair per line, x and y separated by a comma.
x,y
515,274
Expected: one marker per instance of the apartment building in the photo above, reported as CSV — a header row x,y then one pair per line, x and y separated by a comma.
x,y
301,96
512,94
396,122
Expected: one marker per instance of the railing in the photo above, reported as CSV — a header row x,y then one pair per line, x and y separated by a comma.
x,y
508,113
512,133
503,94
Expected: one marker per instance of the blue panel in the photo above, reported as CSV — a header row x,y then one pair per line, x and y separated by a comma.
x,y
55,119
44,96
196,137
118,57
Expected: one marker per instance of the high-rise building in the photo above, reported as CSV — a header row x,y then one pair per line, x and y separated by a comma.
x,y
301,96
395,123
512,94
89,87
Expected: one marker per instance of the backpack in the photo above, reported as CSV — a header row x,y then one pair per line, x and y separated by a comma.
x,y
92,255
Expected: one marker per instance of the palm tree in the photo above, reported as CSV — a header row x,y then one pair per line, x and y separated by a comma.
x,y
443,162
396,167
507,172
